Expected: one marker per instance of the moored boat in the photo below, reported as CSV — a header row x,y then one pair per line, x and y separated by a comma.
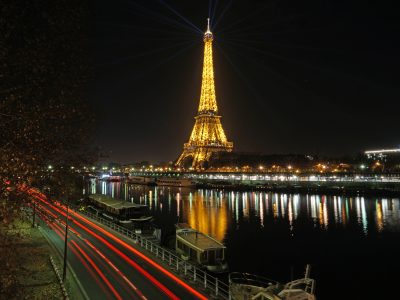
x,y
120,211
141,180
142,219
113,178
178,182
249,286
200,249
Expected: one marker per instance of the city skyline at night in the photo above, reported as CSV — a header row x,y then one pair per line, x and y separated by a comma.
x,y
216,149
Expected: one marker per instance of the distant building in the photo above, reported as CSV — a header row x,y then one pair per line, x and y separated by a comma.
x,y
383,154
258,161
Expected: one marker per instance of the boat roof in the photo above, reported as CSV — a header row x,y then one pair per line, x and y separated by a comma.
x,y
173,179
115,203
183,226
198,239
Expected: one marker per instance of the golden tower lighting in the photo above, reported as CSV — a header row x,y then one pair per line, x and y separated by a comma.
x,y
207,136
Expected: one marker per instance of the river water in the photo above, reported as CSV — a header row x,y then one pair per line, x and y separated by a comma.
x,y
352,243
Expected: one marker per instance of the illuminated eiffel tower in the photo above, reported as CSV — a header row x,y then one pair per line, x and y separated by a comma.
x,y
207,136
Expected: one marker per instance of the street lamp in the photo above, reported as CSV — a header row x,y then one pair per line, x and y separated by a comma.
x,y
34,213
65,245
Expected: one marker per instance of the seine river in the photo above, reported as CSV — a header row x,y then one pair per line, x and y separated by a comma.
x,y
352,243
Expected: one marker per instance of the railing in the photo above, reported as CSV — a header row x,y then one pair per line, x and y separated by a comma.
x,y
63,289
182,268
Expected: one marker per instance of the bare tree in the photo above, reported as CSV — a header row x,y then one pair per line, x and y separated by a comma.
x,y
44,117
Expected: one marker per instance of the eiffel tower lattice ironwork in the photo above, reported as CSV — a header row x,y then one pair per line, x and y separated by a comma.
x,y
207,136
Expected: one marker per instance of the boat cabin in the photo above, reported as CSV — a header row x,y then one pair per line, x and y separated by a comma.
x,y
121,209
200,248
178,182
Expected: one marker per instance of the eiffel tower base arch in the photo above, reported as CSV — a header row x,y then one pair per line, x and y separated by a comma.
x,y
198,157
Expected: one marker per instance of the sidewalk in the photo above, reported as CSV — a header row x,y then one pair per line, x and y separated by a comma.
x,y
74,288
29,262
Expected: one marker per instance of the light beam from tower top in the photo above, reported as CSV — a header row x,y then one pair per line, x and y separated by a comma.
x,y
208,36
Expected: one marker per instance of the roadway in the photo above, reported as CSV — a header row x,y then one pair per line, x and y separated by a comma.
x,y
106,264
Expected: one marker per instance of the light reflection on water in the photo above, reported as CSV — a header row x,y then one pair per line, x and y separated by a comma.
x,y
214,212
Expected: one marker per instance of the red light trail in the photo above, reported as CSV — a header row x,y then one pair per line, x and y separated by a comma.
x,y
138,253
59,230
139,293
110,286
120,253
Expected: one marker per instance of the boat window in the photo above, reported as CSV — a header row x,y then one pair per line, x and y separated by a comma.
x,y
193,254
186,248
180,245
183,247
219,254
203,256
211,256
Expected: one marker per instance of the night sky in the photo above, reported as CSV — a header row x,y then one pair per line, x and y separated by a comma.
x,y
318,77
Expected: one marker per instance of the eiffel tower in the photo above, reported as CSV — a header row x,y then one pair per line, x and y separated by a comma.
x,y
207,136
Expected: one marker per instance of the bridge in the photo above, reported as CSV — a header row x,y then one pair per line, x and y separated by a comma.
x,y
277,177
379,183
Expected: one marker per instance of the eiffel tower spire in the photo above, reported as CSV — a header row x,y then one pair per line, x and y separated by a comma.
x,y
208,101
207,136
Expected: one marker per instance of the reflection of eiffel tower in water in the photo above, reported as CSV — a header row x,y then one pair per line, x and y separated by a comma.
x,y
207,136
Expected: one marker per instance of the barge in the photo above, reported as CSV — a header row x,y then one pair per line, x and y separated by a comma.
x,y
249,286
178,182
201,249
118,210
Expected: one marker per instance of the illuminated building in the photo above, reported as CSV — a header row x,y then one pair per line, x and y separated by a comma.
x,y
382,154
207,136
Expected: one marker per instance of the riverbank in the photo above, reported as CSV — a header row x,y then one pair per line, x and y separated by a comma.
x,y
26,271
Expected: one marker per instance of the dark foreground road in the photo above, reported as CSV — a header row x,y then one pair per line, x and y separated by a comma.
x,y
107,266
